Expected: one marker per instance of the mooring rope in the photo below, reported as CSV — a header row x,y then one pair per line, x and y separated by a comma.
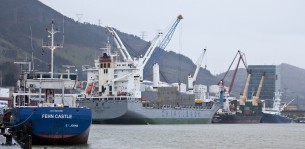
x,y
22,121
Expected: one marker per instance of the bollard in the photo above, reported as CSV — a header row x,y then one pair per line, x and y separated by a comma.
x,y
2,130
9,139
28,143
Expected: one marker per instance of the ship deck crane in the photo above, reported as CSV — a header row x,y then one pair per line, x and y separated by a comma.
x,y
221,82
241,57
243,97
120,44
255,99
192,79
285,105
163,45
143,61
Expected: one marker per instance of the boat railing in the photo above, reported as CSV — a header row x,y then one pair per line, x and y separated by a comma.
x,y
174,107
41,75
25,106
46,105
117,98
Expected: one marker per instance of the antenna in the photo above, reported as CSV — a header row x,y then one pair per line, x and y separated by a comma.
x,y
79,16
32,49
24,63
206,59
1,77
143,35
63,30
68,69
52,47
2,52
99,22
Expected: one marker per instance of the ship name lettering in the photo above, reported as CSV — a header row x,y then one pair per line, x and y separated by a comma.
x,y
47,116
56,110
64,116
74,125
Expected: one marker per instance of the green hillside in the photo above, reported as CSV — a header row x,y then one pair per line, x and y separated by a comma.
x,y
23,29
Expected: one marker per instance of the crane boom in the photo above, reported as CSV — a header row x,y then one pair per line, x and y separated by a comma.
x,y
163,44
243,97
198,64
170,33
119,44
285,105
149,52
191,79
241,57
256,97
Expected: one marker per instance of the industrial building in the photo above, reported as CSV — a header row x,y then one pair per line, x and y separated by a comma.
x,y
271,81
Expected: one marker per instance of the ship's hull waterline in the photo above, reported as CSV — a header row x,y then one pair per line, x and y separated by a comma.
x,y
133,111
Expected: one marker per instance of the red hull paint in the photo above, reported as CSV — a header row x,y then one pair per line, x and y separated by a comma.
x,y
60,139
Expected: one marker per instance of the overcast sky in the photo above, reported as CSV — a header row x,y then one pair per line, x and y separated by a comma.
x,y
269,32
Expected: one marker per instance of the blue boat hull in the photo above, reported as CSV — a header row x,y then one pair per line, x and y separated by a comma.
x,y
52,125
274,118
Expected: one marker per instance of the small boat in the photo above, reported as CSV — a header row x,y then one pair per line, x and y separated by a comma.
x,y
299,120
274,115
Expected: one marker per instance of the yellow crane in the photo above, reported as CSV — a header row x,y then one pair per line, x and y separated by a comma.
x,y
243,97
256,97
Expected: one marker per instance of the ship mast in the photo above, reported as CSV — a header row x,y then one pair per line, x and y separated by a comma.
x,y
52,47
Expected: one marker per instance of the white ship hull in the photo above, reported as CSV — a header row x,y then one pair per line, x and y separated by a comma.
x,y
134,111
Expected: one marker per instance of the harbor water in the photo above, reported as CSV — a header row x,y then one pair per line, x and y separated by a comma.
x,y
246,136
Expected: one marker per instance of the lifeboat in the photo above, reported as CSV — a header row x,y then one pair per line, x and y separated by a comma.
x,y
121,94
232,106
199,100
89,88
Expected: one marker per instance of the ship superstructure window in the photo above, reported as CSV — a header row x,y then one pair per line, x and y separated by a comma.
x,y
105,70
104,65
101,65
108,65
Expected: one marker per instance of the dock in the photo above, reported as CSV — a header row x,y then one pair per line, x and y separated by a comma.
x,y
7,141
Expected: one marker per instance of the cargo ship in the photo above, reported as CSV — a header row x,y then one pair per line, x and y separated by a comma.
x,y
251,114
43,111
239,111
273,115
116,94
233,113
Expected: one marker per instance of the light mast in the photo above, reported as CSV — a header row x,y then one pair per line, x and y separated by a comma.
x,y
52,47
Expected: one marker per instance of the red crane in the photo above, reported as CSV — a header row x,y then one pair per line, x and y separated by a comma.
x,y
241,57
